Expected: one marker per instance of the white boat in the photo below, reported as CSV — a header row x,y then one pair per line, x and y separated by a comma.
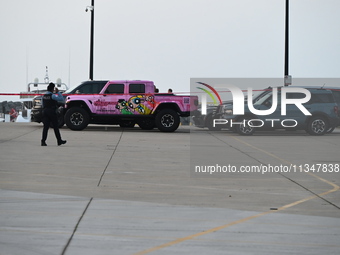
x,y
26,99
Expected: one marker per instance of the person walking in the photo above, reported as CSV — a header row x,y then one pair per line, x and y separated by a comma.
x,y
50,105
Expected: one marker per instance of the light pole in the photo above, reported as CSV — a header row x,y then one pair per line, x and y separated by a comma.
x,y
91,9
287,77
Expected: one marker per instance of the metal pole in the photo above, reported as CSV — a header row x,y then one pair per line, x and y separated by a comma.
x,y
287,77
92,41
287,38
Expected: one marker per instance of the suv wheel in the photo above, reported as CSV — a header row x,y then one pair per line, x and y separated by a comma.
x,y
167,120
330,130
77,118
317,126
210,124
244,129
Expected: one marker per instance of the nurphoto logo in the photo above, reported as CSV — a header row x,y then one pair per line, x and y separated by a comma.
x,y
239,99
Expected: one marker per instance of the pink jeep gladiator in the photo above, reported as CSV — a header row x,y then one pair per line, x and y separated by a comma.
x,y
127,103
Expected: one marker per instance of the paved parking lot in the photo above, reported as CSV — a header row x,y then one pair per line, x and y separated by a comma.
x,y
128,191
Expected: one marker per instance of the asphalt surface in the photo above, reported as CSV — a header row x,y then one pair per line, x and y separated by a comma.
x,y
129,191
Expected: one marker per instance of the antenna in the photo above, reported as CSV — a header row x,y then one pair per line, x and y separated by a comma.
x,y
46,79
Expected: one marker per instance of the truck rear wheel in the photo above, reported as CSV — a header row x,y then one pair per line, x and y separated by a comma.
x,y
77,118
167,120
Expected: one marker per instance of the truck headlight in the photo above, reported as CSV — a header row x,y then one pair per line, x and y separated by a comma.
x,y
228,111
37,103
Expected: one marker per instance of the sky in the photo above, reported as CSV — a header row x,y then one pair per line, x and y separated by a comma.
x,y
167,42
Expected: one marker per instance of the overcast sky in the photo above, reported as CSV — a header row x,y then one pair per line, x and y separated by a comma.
x,y
166,41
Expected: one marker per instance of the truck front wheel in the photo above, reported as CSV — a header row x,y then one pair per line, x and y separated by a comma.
x,y
167,120
77,118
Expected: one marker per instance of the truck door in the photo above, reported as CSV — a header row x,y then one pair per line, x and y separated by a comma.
x,y
139,102
112,100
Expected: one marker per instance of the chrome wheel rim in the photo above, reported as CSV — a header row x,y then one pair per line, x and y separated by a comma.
x,y
167,120
76,119
318,126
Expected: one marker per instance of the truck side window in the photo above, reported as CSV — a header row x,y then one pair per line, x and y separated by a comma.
x,y
85,89
137,88
115,89
98,87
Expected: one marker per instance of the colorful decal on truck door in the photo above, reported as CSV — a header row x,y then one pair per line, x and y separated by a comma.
x,y
122,106
138,104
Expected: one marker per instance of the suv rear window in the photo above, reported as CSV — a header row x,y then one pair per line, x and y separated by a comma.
x,y
321,98
336,94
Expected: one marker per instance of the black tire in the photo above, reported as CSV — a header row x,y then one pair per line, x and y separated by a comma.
x,y
317,126
330,130
60,122
77,118
60,115
167,120
244,129
147,124
210,124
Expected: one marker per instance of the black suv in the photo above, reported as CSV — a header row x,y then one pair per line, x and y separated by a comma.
x,y
215,112
87,87
322,106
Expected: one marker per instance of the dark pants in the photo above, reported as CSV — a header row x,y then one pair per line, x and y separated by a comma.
x,y
50,116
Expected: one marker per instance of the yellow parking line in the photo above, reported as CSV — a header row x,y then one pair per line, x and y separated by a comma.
x,y
179,240
183,239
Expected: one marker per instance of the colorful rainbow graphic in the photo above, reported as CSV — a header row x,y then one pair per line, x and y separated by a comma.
x,y
209,93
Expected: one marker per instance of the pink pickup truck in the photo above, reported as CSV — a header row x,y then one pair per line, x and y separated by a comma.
x,y
127,103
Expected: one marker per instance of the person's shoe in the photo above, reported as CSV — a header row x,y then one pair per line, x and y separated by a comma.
x,y
43,143
61,142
